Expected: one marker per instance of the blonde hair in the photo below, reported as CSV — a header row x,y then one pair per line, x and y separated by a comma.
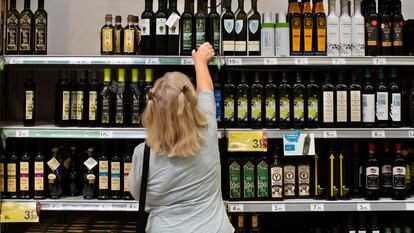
x,y
173,120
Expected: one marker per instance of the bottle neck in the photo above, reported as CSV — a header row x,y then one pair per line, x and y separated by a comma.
x,y
294,7
357,7
148,5
312,78
257,78
228,5
397,7
319,7
161,5
307,7
200,6
41,4
332,7
344,7
241,4
254,5
298,78
173,5
27,4
270,79
187,5
213,6
148,76
13,4
284,78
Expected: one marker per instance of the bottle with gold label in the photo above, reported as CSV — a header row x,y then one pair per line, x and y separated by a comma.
x,y
90,174
307,28
103,171
118,36
127,161
295,23
29,101
289,173
54,176
319,25
12,29
24,165
25,29
3,163
40,29
62,104
115,181
12,172
107,36
129,41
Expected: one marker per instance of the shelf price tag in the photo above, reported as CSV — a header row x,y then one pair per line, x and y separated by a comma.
x,y
16,61
19,212
317,207
278,207
235,61
330,134
379,61
410,206
236,207
247,141
152,61
378,134
270,61
363,207
22,133
187,61
410,134
80,61
132,207
338,61
106,134
301,61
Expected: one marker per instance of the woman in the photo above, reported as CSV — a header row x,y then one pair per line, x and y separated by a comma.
x,y
184,190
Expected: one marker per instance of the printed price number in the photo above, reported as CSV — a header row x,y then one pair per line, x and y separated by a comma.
x,y
317,207
363,207
247,141
19,212
278,207
24,133
270,61
410,134
379,61
301,61
235,61
152,61
187,61
236,207
378,134
338,61
330,134
106,134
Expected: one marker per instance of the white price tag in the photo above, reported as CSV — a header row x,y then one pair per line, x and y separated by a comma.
x,y
301,61
187,61
330,134
152,61
172,19
317,207
379,61
235,61
132,207
236,207
56,206
378,134
338,61
363,207
278,207
410,134
22,133
16,61
410,206
120,61
80,61
106,134
270,61
105,207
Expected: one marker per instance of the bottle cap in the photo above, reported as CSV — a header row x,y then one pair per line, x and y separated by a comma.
x,y
148,75
267,17
134,75
367,72
107,75
121,75
371,148
393,72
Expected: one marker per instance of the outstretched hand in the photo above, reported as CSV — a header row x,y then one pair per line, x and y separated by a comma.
x,y
203,54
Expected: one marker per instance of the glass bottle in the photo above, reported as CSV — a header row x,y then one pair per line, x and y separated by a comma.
x,y
355,100
63,105
254,39
82,100
134,98
249,182
262,178
73,99
127,165
358,30
399,189
312,106
270,102
218,96
129,41
276,175
55,174
385,30
332,171
372,175
29,101
3,172
186,25
257,94
386,171
213,27
328,106
332,38
320,29
307,28
228,31
295,22
107,36
397,30
243,100
173,40
120,100
148,29
89,175
298,102
13,172
119,36
289,178
107,100
382,111
25,172
12,29
93,95
160,28
138,32
371,30
341,101
345,30
40,29
39,180
235,180
115,182
230,102
394,99
147,87
26,25
285,93
103,171
200,20
368,100
240,30
74,176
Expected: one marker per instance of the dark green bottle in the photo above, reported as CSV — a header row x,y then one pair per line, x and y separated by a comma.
x,y
134,100
270,103
298,102
40,29
26,26
243,103
257,103
285,93
230,103
93,100
120,100
107,100
12,29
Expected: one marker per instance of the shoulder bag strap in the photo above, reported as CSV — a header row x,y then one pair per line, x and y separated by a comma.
x,y
144,180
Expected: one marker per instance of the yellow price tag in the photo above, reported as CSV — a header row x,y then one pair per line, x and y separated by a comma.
x,y
247,141
18,212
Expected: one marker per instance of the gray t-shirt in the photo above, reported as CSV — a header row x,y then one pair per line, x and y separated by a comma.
x,y
184,194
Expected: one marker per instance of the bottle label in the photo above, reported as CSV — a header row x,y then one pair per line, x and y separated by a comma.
x,y
174,29
117,41
240,46
65,105
271,109
53,164
304,180
119,117
372,178
74,106
229,25
358,36
407,174
129,39
93,103
355,106
38,176
25,33
253,46
90,163
299,109
308,34
321,34
397,33
145,27
235,181
382,106
103,175
248,176
262,179
256,109
216,30
228,45
368,108
341,106
200,32
29,105
105,110
253,26
372,33
91,178
313,109
107,40
277,182
328,107
238,27
2,189
127,169
79,105
345,47
11,178
160,26
290,177
115,176
333,37
386,35
12,27
284,105
229,109
187,35
296,34
242,109
24,176
398,177
386,174
135,109
395,108
218,99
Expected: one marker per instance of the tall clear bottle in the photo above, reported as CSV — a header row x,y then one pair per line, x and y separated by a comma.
x,y
40,29
345,30
358,31
332,30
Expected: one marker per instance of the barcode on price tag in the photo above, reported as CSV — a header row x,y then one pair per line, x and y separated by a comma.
x,y
152,61
363,207
379,61
278,207
338,61
236,207
270,61
301,61
378,134
187,61
106,134
235,61
317,207
24,133
330,134
410,134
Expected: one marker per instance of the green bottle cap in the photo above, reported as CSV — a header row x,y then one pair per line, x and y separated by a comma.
x,y
387,230
393,72
366,72
381,73
397,230
407,230
148,75
134,75
121,75
107,75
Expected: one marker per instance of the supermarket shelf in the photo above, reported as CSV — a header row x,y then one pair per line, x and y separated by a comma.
x,y
80,204
51,131
352,133
305,205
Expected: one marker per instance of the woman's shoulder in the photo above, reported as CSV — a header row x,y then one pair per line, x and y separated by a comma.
x,y
139,150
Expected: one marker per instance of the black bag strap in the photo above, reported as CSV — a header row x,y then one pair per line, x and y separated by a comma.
x,y
144,180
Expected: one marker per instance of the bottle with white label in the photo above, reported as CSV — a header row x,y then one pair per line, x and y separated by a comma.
x,y
368,100
227,30
345,30
394,99
355,100
332,30
90,174
328,104
161,31
341,101
240,29
282,42
147,29
358,30
399,173
253,21
382,111
372,175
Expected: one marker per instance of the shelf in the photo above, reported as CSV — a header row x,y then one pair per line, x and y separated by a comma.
x,y
80,204
308,205
51,131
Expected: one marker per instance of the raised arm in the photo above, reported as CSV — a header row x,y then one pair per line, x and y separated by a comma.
x,y
201,57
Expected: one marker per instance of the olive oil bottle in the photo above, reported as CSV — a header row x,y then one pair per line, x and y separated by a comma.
x,y
12,29
148,29
307,29
295,24
129,41
119,36
107,36
26,25
40,29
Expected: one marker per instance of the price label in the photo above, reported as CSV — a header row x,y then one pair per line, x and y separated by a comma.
x,y
120,61
338,61
330,134
105,207
278,207
16,61
56,206
247,141
410,206
378,134
187,61
317,207
19,212
236,207
270,61
80,61
235,61
132,207
23,133
152,61
106,134
301,61
363,207
410,134
172,19
379,61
